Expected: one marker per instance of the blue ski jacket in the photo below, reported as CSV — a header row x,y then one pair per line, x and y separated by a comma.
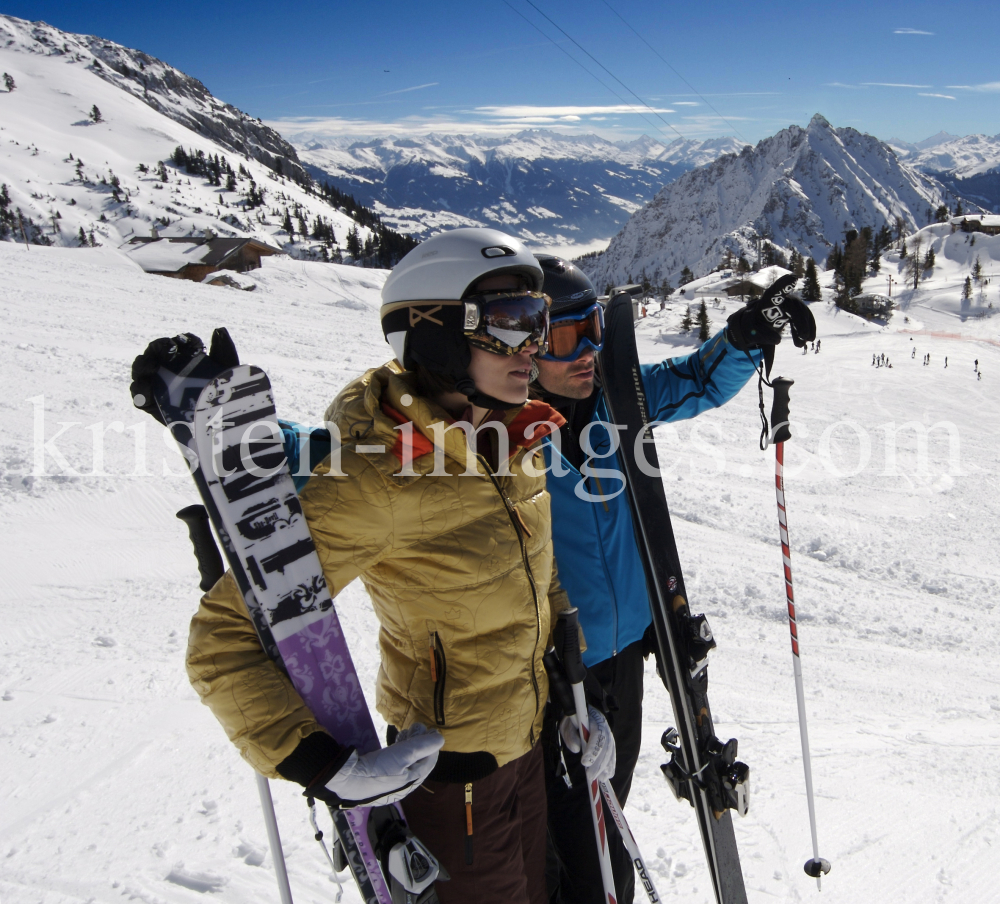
x,y
599,563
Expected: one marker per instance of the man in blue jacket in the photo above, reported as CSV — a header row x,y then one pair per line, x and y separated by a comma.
x,y
599,563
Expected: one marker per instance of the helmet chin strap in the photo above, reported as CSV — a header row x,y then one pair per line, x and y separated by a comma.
x,y
481,399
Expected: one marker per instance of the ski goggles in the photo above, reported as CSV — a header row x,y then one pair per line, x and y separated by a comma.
x,y
572,334
506,323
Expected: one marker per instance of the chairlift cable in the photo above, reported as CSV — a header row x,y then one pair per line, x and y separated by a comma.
x,y
674,71
605,68
585,69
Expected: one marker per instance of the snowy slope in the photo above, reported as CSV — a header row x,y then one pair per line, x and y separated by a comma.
x,y
801,188
550,189
118,785
45,133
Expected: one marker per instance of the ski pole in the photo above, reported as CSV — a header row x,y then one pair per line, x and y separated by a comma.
x,y
817,866
561,692
210,568
274,839
568,650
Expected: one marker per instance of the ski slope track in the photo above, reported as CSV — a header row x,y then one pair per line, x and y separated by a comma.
x,y
117,784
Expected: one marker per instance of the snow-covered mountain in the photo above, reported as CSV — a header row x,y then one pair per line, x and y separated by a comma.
x,y
548,188
964,156
968,165
801,189
68,173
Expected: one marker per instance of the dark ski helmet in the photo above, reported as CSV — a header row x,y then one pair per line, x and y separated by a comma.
x,y
424,314
567,285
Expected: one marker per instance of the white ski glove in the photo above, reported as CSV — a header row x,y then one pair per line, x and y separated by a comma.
x,y
387,775
599,753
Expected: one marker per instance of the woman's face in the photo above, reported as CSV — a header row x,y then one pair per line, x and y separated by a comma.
x,y
505,377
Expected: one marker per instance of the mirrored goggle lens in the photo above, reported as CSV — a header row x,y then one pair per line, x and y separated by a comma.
x,y
565,336
513,320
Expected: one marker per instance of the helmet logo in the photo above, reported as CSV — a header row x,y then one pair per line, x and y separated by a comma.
x,y
416,315
471,316
498,251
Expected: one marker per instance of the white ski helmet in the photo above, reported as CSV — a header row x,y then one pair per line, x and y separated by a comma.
x,y
440,272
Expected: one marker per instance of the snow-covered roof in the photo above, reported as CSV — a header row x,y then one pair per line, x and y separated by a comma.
x,y
171,255
164,256
986,219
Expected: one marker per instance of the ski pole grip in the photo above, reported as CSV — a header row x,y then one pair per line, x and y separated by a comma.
x,y
779,410
567,644
205,551
559,688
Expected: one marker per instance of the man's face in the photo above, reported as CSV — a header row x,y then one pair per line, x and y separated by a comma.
x,y
572,379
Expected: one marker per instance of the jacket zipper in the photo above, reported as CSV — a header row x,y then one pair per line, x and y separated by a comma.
x,y
439,670
515,520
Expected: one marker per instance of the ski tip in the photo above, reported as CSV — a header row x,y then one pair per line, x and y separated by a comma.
x,y
816,867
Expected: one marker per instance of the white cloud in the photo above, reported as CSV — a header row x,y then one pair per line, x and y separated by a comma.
x,y
842,85
895,85
686,103
521,111
911,31
986,88
945,96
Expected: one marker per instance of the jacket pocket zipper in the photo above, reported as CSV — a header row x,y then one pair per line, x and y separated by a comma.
x,y
439,670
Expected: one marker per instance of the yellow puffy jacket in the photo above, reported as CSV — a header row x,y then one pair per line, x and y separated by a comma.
x,y
457,558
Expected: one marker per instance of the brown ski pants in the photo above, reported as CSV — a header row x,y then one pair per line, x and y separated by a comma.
x,y
502,861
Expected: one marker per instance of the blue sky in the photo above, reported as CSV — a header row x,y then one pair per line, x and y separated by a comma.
x,y
892,69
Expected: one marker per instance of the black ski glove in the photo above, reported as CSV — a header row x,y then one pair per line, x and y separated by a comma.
x,y
174,354
759,324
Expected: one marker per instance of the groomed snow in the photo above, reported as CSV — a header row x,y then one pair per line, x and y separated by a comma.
x,y
118,785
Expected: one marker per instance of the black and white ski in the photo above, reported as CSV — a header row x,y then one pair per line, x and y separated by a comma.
x,y
702,769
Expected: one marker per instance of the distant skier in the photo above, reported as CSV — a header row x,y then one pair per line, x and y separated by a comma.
x,y
873,359
976,368
946,362
913,354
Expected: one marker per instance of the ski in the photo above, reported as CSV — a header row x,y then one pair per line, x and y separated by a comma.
x,y
702,770
225,424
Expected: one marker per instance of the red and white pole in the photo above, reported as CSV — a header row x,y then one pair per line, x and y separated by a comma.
x,y
817,866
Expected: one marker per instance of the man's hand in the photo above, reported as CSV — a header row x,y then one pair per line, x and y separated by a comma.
x,y
174,353
759,324
599,753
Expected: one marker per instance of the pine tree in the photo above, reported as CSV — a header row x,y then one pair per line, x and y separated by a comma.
x,y
8,82
686,276
967,289
95,114
914,266
82,238
286,224
929,258
810,289
977,270
958,209
703,323
686,323
941,214
354,243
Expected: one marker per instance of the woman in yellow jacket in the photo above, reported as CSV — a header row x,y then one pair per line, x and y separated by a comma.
x,y
449,529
